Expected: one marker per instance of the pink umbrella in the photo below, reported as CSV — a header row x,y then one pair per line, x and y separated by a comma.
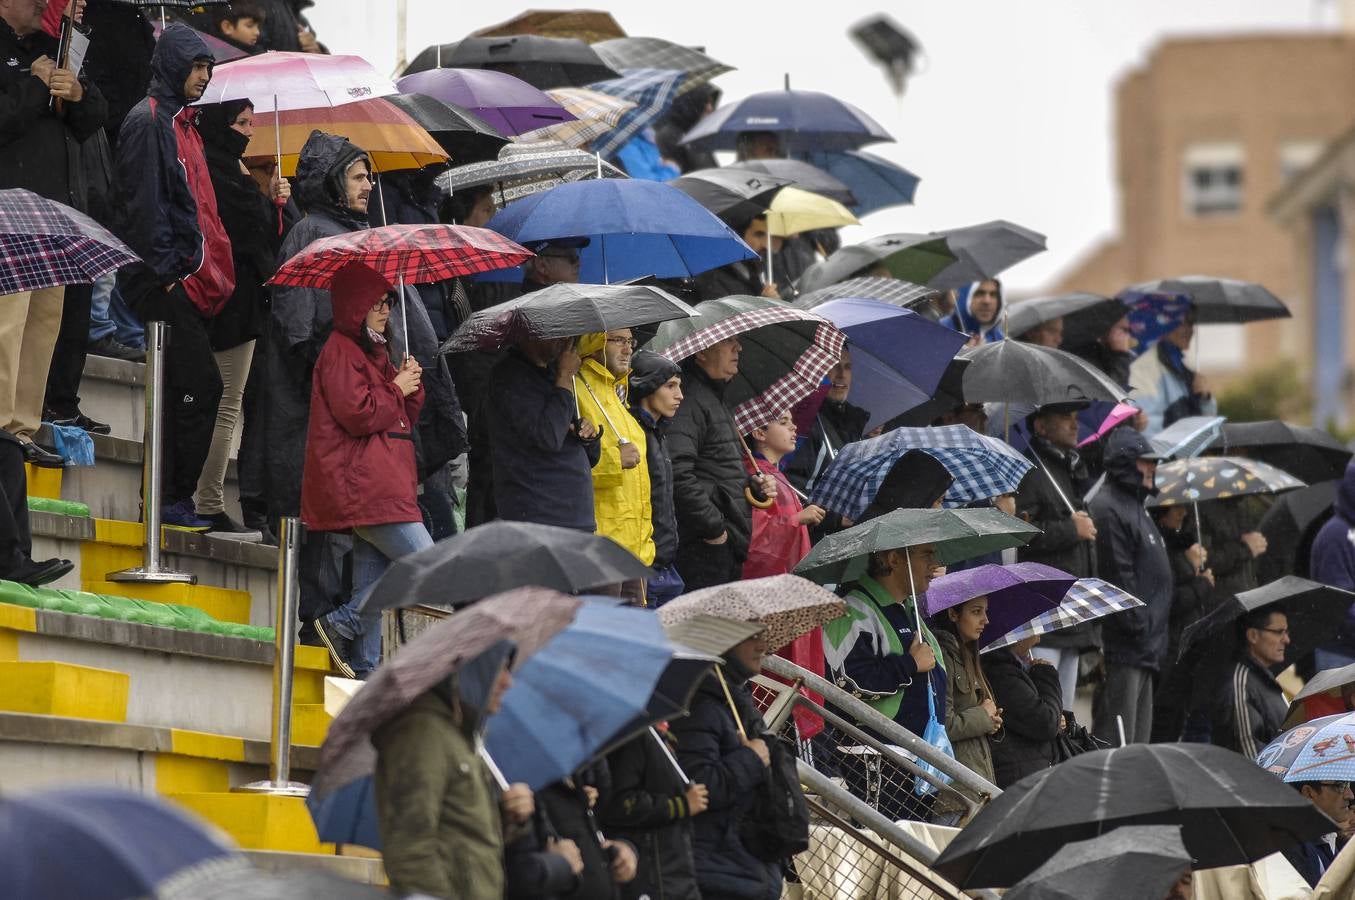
x,y
1122,412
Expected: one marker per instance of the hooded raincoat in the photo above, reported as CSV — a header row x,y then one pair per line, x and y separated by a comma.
x,y
1333,555
963,321
1164,388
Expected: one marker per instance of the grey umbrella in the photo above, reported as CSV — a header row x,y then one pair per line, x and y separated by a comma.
x,y
656,53
1135,862
985,251
886,290
542,62
1085,316
1328,681
735,195
256,884
911,257
1016,372
803,175
1219,300
525,169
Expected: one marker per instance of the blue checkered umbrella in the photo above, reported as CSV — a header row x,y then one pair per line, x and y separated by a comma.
x,y
982,467
1086,600
1320,750
47,244
651,90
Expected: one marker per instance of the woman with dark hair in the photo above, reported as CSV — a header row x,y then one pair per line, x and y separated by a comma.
x,y
971,713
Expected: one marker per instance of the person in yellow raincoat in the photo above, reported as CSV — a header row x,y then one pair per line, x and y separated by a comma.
x,y
621,501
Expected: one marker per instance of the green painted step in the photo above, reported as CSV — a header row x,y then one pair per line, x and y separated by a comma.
x,y
60,507
126,609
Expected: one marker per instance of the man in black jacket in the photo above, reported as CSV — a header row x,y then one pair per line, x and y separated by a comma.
x,y
1250,710
655,396
1132,556
838,423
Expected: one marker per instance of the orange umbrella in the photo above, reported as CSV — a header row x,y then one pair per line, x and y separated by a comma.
x,y
391,139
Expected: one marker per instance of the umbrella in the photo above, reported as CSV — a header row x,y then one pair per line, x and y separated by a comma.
x,y
898,357
1309,454
584,24
1133,862
651,90
256,884
1231,811
418,254
984,251
103,843
1016,372
1016,593
465,136
1325,692
571,701
1151,316
1085,316
794,211
804,120
1218,300
627,53
279,81
221,51
391,139
509,104
1290,526
47,244
910,257
566,310
957,534
635,228
733,194
886,290
1320,750
710,635
787,606
543,62
875,182
949,394
786,352
1217,478
802,175
1119,414
982,466
527,616
1087,600
595,114
1188,437
525,169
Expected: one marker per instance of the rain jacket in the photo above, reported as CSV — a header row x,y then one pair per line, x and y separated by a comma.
x,y
1031,702
168,207
964,322
708,474
1333,554
778,539
967,723
621,497
1222,524
1249,712
360,467
660,487
1164,388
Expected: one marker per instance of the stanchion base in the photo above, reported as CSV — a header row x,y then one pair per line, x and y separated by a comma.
x,y
142,575
280,788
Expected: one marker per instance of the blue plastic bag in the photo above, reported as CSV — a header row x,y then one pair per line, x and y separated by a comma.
x,y
74,445
934,734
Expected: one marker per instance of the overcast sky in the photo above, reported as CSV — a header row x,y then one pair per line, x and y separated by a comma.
x,y
1009,116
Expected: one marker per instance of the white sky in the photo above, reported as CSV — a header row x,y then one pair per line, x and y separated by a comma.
x,y
1009,118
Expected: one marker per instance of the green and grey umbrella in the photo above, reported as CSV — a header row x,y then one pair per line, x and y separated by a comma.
x,y
912,257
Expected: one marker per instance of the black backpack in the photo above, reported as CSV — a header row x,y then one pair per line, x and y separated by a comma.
x,y
776,827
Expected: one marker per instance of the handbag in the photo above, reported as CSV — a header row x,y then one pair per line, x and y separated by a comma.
x,y
934,734
1075,740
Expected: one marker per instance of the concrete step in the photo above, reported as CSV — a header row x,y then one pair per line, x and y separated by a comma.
x,y
114,391
364,869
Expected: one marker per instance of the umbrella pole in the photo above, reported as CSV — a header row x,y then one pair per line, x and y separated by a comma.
x,y
1007,422
1199,538
668,755
404,313
493,767
771,279
277,134
729,698
1054,484
912,589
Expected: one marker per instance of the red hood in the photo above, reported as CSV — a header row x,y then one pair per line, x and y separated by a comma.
x,y
354,290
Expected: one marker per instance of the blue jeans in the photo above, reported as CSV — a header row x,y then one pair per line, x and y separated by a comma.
x,y
110,317
374,546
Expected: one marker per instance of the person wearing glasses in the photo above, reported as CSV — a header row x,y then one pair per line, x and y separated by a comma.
x,y
1311,859
556,262
1165,387
978,312
1249,712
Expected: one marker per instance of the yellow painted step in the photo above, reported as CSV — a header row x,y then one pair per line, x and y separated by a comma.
x,y
43,482
63,689
226,604
310,723
97,559
176,774
258,821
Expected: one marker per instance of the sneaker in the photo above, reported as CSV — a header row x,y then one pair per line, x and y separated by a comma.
x,y
223,526
107,346
340,647
79,420
183,515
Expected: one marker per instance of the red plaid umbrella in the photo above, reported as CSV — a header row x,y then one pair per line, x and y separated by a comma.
x,y
47,244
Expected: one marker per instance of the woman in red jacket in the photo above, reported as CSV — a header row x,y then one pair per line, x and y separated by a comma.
x,y
359,474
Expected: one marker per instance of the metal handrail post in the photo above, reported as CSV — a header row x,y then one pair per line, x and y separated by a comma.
x,y
151,571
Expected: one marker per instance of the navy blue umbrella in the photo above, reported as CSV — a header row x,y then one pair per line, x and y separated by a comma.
x,y
635,228
347,815
876,183
804,120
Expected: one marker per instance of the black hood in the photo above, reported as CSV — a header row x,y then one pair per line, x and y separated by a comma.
x,y
176,51
320,172
214,124
1123,450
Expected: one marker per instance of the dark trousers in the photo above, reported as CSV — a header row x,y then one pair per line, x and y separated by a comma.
x,y
705,565
68,356
16,541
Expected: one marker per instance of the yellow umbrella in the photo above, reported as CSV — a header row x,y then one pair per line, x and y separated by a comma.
x,y
392,140
794,210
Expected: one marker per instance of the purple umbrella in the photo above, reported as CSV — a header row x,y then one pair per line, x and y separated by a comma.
x,y
509,104
1016,593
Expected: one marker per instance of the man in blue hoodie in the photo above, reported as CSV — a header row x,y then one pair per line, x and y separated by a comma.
x,y
978,312
1333,562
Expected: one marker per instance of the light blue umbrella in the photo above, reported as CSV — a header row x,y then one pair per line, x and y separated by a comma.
x,y
1187,438
1320,750
876,182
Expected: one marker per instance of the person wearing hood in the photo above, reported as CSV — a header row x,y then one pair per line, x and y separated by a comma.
x,y
1132,556
360,472
1332,561
1165,388
838,423
1192,585
441,814
655,395
978,312
170,219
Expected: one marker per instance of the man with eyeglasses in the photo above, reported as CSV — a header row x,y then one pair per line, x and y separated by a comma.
x,y
1332,798
1250,710
556,262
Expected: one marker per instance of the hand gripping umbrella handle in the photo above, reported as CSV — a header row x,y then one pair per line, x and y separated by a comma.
x,y
748,492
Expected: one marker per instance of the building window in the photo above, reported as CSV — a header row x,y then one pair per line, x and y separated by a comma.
x,y
1295,156
1213,179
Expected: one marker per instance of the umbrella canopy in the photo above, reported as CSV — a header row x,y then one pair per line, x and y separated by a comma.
x,y
651,90
1309,454
419,254
221,51
391,139
543,62
956,534
1118,415
1188,437
733,194
985,251
572,699
528,616
1217,478
584,24
47,244
103,843
875,182
595,114
1231,811
983,467
1016,593
787,606
794,211
1326,690
949,395
635,228
566,310
885,290
525,169
1016,372
509,104
256,884
710,635
1320,750
898,357
1087,600
1218,300
804,120
911,257
1151,316
1134,862
1085,316
803,175
466,137
627,53
1294,520
279,81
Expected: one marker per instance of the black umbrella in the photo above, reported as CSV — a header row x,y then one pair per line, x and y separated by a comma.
x,y
803,175
984,251
466,137
1136,862
1016,372
1219,300
732,194
1085,316
1290,525
1231,811
1309,454
948,395
500,556
911,257
540,61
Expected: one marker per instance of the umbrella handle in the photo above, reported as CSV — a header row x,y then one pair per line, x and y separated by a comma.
x,y
729,698
755,502
747,491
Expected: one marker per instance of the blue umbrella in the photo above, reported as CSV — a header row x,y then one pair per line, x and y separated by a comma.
x,y
99,843
1320,750
575,698
804,120
347,815
651,90
876,182
635,228
898,357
